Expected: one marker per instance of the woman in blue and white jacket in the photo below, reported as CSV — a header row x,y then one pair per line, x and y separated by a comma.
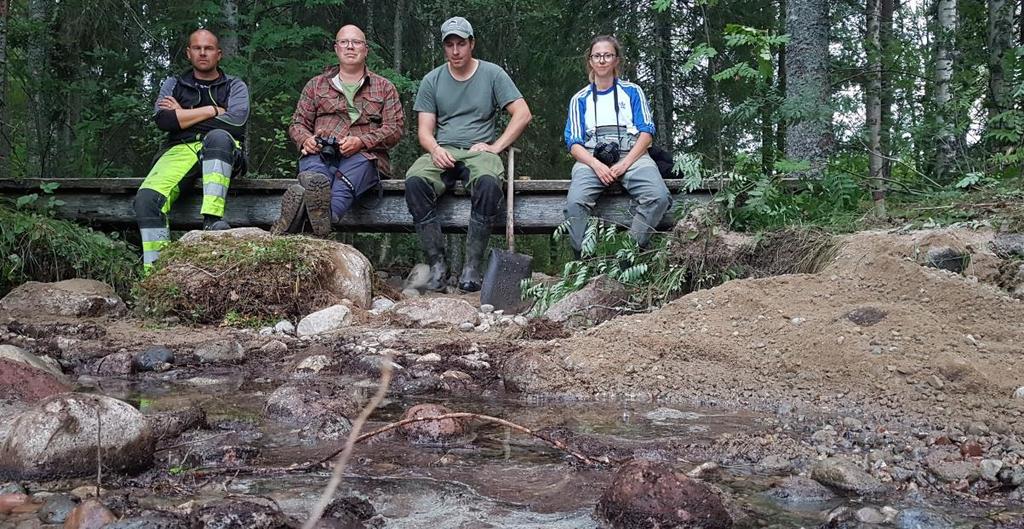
x,y
613,117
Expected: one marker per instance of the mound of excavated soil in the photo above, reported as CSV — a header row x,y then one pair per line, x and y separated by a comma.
x,y
874,333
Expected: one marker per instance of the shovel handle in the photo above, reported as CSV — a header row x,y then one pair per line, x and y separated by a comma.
x,y
509,201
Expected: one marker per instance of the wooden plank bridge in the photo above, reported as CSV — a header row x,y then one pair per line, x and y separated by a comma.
x,y
108,203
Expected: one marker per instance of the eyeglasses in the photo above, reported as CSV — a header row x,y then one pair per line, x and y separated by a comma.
x,y
350,43
602,57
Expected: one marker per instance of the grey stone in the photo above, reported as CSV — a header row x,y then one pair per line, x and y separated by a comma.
x,y
220,351
670,414
1019,393
148,522
284,327
320,408
56,509
796,490
487,308
853,424
381,304
922,519
273,347
977,428
869,515
949,467
990,469
1007,245
116,364
17,354
418,277
593,304
150,358
845,475
429,358
57,438
314,364
946,258
239,513
11,488
466,326
72,297
774,464
324,321
435,312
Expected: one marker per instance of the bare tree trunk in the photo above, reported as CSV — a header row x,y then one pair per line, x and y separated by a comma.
x,y
873,108
5,135
809,137
663,96
767,116
999,41
885,34
37,55
944,138
371,34
399,27
229,37
780,130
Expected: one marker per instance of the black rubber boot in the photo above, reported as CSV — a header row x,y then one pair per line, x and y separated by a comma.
x,y
476,244
214,223
432,241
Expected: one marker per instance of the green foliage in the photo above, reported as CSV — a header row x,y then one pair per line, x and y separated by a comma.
x,y
35,247
648,275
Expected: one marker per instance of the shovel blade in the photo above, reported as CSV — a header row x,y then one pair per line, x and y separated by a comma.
x,y
505,272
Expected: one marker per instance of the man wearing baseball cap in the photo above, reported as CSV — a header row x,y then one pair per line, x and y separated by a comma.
x,y
457,104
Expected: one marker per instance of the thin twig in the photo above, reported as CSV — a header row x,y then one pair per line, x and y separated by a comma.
x,y
99,452
350,443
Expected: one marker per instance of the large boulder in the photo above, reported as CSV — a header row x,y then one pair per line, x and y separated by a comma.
x,y
845,475
650,495
17,354
58,436
72,297
23,383
439,432
320,408
593,304
435,312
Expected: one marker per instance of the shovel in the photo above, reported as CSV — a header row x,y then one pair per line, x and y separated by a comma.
x,y
506,269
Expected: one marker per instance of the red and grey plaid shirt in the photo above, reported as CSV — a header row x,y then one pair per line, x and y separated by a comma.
x,y
323,111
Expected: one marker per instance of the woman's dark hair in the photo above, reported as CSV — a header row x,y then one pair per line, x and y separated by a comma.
x,y
590,49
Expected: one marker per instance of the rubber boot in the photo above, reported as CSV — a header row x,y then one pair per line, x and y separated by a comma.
x,y
432,241
476,244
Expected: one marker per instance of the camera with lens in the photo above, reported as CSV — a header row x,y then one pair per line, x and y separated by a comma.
x,y
607,152
328,147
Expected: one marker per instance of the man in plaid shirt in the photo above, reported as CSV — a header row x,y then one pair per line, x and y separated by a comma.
x,y
346,120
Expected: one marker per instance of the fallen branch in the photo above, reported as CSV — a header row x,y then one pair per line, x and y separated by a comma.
x,y
350,443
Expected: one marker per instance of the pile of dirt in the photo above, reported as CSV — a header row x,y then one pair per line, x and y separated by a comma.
x,y
874,332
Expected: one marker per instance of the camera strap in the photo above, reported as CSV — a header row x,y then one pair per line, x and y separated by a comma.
x,y
615,100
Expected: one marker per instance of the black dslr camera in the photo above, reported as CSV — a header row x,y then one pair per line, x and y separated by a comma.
x,y
328,147
607,152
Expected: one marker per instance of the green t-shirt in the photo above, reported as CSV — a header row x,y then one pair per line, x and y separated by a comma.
x,y
349,89
466,110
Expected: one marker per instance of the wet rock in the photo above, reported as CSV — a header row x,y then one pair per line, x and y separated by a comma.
x,y
57,438
797,490
72,297
866,316
200,448
56,509
669,414
238,513
350,513
435,312
774,464
649,495
220,352
869,515
324,321
921,519
1007,245
170,424
17,354
22,383
10,502
444,431
284,327
321,408
113,365
150,359
90,514
155,521
946,258
844,475
373,364
593,304
11,488
455,381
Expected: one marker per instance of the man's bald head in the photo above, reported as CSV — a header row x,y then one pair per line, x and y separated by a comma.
x,y
204,53
205,35
350,31
350,47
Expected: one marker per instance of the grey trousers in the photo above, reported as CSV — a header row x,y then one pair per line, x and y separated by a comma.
x,y
643,183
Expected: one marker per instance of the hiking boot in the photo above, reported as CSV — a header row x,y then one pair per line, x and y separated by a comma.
x,y
476,243
318,201
292,210
211,223
432,241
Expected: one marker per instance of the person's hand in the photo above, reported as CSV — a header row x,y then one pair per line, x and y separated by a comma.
x,y
351,145
442,159
619,169
603,172
220,111
168,103
309,146
483,147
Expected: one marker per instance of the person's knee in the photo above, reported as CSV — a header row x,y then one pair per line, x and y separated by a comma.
x,y
486,197
420,198
149,205
219,141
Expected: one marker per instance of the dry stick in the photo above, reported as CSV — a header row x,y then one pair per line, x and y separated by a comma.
x,y
350,443
486,418
99,452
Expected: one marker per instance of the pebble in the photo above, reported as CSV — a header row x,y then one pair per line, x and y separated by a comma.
x,y
936,382
86,491
920,519
56,509
429,358
315,363
274,347
869,515
284,327
487,308
990,469
466,326
520,320
149,359
1019,393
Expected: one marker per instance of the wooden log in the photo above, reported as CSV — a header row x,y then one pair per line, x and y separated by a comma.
x,y
108,203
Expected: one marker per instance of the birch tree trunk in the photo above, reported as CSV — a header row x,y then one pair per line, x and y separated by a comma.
x,y
229,38
885,33
999,41
944,34
809,136
873,107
